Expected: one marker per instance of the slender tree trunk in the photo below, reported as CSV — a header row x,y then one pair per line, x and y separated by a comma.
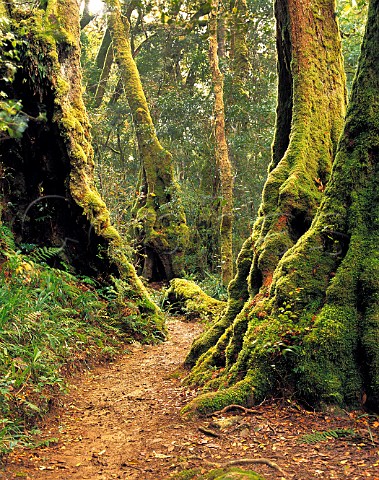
x,y
100,61
162,232
51,198
221,151
101,86
239,52
310,113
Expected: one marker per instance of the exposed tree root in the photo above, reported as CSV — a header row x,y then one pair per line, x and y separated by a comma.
x,y
252,461
207,431
232,407
247,461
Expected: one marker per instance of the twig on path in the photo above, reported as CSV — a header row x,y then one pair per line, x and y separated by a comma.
x,y
128,465
207,431
232,407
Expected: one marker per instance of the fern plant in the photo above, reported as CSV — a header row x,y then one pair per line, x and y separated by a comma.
x,y
44,254
316,437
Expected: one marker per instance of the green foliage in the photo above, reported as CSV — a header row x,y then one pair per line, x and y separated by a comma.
x,y
174,68
12,121
316,437
211,284
50,324
352,18
43,254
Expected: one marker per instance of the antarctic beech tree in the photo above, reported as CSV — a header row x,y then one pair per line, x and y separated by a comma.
x,y
274,335
162,232
310,113
48,190
221,152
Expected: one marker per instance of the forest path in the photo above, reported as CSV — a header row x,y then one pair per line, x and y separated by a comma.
x,y
122,421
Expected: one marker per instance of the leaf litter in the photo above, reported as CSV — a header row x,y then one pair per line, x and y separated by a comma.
x,y
123,421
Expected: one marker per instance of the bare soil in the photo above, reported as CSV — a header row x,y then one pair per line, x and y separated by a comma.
x,y
123,421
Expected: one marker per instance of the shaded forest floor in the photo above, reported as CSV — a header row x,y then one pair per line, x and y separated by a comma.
x,y
122,421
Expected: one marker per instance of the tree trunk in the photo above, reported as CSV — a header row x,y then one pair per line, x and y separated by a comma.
x,y
221,151
311,105
102,85
239,52
162,232
100,61
49,196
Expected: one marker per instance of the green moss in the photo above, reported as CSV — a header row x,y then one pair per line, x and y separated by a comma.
x,y
238,294
231,473
242,393
187,297
62,85
161,221
111,234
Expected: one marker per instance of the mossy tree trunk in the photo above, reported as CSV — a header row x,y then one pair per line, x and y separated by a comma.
x,y
100,61
221,151
49,196
310,113
104,76
162,232
239,51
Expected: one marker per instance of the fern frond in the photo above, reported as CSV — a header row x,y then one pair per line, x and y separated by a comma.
x,y
6,239
316,437
43,254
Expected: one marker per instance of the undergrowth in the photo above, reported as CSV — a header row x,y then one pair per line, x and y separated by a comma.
x,y
211,284
51,324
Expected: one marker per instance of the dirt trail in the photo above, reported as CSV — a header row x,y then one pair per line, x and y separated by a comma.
x,y
122,421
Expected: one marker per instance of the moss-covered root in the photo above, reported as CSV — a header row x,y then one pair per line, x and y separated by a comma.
x,y
241,393
231,473
184,296
237,296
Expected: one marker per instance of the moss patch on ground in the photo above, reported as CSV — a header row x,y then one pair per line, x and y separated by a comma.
x,y
218,474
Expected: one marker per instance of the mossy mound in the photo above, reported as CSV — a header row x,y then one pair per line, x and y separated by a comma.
x,y
184,296
219,474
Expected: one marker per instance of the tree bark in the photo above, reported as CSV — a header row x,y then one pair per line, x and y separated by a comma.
x,y
239,52
100,61
221,152
50,198
162,232
310,113
102,85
